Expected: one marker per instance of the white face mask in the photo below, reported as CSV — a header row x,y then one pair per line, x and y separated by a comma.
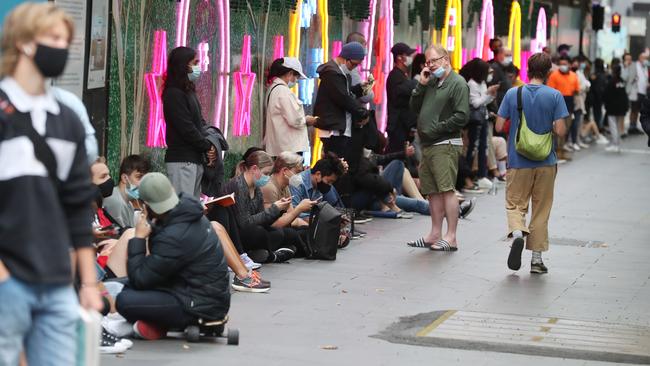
x,y
408,61
507,61
564,69
295,180
490,77
291,84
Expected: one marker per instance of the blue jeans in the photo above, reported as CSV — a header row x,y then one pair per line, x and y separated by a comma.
x,y
394,173
43,318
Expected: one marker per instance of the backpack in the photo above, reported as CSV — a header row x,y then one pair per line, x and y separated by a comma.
x,y
531,145
324,231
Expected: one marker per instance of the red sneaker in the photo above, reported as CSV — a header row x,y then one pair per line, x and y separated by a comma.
x,y
148,331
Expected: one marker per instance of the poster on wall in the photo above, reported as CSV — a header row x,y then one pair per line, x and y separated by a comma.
x,y
73,75
98,45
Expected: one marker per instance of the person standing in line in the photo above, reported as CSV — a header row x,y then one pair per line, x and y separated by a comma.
x,y
641,72
566,82
544,111
286,123
441,100
598,84
616,106
44,174
401,120
580,110
187,141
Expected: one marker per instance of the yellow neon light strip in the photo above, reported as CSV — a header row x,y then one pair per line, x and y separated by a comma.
x,y
456,55
514,33
324,33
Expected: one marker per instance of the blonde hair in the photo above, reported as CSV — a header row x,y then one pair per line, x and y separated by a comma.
x,y
23,24
287,159
440,51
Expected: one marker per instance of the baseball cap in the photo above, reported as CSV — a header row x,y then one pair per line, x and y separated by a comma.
x,y
353,51
157,192
402,49
293,64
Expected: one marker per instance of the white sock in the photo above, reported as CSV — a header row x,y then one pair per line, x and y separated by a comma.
x,y
501,165
537,257
517,234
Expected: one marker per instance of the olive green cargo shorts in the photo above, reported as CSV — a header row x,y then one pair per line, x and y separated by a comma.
x,y
439,168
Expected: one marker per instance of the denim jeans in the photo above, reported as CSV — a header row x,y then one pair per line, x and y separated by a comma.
x,y
43,318
394,173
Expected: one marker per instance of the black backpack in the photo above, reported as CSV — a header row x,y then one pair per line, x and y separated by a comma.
x,y
324,231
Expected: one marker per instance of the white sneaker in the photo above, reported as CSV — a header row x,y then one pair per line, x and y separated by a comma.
x,y
582,145
602,140
613,148
249,263
567,148
575,147
116,325
484,183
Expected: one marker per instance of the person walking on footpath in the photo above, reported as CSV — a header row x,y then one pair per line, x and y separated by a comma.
x,y
187,138
543,111
441,100
45,215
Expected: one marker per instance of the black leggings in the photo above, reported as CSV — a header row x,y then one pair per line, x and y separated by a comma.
x,y
226,217
155,307
268,238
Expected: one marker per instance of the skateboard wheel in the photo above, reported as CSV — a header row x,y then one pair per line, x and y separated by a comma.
x,y
233,337
193,333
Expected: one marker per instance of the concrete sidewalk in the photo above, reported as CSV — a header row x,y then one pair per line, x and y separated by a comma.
x,y
598,271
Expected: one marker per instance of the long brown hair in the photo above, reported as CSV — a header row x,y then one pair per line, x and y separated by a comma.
x,y
254,156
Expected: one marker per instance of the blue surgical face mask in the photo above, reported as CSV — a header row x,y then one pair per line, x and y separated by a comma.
x,y
583,66
264,179
439,72
646,63
194,75
291,84
132,191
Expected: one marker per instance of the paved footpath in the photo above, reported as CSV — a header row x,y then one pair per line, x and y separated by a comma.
x,y
598,271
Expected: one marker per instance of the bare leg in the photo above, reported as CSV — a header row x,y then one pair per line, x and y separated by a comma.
x,y
232,257
119,256
451,213
409,186
437,210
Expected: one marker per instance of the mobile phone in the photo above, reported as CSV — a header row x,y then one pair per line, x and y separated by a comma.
x,y
427,74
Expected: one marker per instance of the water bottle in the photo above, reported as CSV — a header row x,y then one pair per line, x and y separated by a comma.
x,y
493,190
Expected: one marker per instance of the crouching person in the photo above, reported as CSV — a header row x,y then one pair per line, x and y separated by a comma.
x,y
184,276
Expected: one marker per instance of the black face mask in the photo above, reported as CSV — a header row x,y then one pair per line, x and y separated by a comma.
x,y
106,188
323,187
50,61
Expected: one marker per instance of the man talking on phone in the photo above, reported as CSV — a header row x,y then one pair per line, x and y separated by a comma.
x,y
441,100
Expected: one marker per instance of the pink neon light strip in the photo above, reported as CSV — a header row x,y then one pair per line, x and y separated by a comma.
x,y
222,100
337,46
387,13
367,28
278,47
153,81
204,58
244,81
182,12
485,31
418,48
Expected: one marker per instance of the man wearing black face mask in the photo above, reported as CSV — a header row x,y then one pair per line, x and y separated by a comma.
x,y
399,86
44,174
316,183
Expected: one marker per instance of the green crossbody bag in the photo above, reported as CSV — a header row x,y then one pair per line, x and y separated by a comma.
x,y
531,145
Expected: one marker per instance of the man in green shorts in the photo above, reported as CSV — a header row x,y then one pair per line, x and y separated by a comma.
x,y
441,100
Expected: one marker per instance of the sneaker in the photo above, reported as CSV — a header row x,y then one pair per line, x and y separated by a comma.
x,y
613,148
582,145
283,255
602,140
567,148
484,183
148,331
634,131
249,263
111,344
252,283
561,161
257,275
624,136
474,189
361,233
116,325
538,268
113,338
576,147
355,236
466,208
404,215
360,218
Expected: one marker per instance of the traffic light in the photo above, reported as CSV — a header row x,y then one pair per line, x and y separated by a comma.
x,y
616,22
597,17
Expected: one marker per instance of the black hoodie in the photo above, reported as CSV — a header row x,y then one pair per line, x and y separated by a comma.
x,y
185,260
334,98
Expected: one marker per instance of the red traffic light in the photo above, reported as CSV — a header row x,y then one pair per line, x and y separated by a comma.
x,y
616,22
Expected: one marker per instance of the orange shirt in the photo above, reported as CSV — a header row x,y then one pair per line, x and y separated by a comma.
x,y
567,84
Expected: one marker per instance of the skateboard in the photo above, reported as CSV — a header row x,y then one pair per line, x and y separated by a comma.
x,y
212,329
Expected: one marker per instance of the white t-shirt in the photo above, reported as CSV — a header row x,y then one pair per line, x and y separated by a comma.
x,y
642,75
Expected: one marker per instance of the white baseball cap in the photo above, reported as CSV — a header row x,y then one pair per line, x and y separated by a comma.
x,y
294,64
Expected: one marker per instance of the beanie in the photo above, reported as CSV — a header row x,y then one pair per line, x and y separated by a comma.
x,y
353,51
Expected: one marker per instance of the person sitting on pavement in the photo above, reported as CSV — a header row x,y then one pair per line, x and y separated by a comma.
x,y
184,277
316,184
287,167
122,204
263,242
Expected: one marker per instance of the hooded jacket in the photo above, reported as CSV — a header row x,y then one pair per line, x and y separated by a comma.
x,y
335,97
213,176
185,260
